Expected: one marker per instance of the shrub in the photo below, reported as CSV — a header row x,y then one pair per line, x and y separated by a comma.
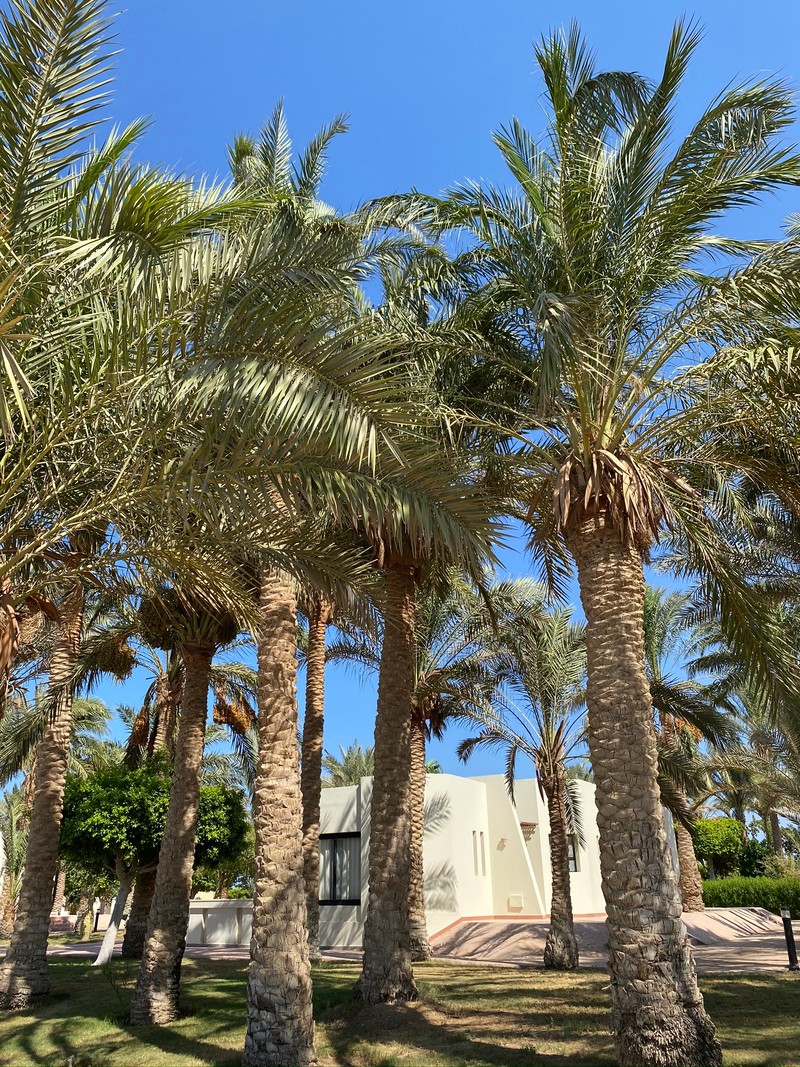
x,y
770,893
753,860
719,843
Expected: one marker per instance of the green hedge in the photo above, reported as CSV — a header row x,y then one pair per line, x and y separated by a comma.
x,y
770,893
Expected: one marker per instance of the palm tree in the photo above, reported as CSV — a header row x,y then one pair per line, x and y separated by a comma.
x,y
24,974
319,614
596,265
685,711
544,720
13,841
196,630
354,762
119,639
86,236
456,669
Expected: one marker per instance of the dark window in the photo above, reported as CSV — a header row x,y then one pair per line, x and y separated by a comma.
x,y
572,853
340,868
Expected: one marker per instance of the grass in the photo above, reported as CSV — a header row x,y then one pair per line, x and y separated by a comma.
x,y
466,1015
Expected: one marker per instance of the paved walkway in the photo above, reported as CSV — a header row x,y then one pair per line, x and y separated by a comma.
x,y
725,940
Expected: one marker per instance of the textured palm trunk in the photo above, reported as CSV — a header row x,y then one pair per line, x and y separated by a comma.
x,y
166,717
24,976
417,921
117,911
690,882
157,994
58,892
7,905
387,974
82,913
776,838
657,1010
280,1019
561,948
136,927
311,775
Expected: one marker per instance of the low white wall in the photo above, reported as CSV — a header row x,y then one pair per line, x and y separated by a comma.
x,y
220,922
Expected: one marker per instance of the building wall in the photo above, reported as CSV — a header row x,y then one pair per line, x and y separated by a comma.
x,y
483,857
457,861
587,895
515,888
345,810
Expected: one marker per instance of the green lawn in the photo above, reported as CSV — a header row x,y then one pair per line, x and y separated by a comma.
x,y
467,1015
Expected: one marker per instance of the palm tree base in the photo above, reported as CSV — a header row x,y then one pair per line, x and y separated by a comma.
x,y
684,1037
156,999
20,990
391,984
421,950
280,1027
561,949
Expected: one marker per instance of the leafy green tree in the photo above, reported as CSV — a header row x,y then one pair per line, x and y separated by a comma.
x,y
114,821
719,843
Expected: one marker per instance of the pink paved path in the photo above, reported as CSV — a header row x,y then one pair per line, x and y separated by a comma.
x,y
724,940
732,940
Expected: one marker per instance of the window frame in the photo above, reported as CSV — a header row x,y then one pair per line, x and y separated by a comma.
x,y
572,854
339,902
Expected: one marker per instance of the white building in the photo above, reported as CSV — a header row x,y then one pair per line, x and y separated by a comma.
x,y
484,857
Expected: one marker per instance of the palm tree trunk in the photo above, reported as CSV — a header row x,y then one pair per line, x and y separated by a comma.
x,y
775,833
136,927
311,773
157,994
166,717
24,976
417,921
280,1020
690,882
83,911
657,1010
561,948
387,974
110,936
7,905
58,891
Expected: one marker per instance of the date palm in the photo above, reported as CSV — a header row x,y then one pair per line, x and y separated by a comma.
x,y
196,630
543,719
686,711
24,973
456,667
13,844
598,262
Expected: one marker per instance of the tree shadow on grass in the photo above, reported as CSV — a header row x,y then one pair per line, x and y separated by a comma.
x,y
479,1030
757,1011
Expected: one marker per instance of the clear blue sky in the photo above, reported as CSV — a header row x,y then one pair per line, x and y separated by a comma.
x,y
424,84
